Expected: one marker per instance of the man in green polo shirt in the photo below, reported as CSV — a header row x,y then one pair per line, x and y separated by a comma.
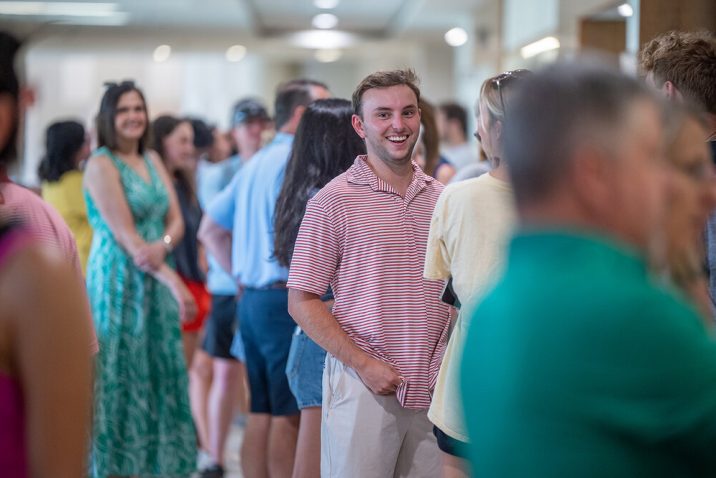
x,y
579,363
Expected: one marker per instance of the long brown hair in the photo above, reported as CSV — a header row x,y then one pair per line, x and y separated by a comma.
x,y
325,146
162,127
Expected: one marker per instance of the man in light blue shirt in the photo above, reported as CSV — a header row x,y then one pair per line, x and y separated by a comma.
x,y
218,373
238,230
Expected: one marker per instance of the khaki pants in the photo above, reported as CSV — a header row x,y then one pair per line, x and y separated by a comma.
x,y
364,435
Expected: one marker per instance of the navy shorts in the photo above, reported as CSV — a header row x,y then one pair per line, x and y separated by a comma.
x,y
266,331
450,445
304,370
220,327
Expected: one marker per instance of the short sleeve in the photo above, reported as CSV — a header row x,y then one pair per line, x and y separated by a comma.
x,y
221,209
437,257
316,253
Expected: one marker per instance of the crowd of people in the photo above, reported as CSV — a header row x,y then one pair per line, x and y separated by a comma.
x,y
350,283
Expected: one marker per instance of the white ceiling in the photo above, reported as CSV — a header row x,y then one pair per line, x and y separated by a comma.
x,y
260,18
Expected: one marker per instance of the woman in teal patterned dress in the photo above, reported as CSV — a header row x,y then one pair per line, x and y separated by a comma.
x,y
142,419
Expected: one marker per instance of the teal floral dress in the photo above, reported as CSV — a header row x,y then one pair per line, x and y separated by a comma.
x,y
142,420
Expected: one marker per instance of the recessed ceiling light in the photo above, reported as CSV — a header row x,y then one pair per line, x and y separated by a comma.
x,y
318,39
326,4
325,21
162,53
456,37
625,10
235,53
328,55
540,46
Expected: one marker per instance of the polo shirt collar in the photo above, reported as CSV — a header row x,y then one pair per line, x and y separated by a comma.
x,y
282,138
361,173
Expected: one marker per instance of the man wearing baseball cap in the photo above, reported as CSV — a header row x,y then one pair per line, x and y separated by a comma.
x,y
249,120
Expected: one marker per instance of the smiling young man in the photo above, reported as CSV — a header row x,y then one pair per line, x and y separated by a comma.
x,y
365,235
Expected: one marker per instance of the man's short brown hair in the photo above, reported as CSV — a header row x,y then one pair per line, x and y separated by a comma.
x,y
384,79
686,59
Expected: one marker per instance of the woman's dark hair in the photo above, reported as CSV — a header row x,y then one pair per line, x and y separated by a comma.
x,y
203,133
106,135
9,85
430,136
63,141
325,146
162,127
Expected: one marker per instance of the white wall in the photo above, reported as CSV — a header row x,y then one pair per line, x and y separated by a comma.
x,y
67,75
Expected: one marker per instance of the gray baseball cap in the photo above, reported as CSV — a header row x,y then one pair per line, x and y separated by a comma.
x,y
247,110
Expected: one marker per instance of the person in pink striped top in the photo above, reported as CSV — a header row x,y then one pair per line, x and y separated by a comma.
x,y
365,235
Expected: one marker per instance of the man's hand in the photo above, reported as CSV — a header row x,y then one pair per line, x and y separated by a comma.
x,y
380,377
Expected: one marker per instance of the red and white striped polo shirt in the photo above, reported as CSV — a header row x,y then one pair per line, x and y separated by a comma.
x,y
365,240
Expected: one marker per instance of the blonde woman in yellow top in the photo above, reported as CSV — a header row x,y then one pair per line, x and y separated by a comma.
x,y
67,147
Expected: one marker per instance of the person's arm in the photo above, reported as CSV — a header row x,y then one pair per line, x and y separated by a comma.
x,y
104,185
151,255
216,228
217,241
312,315
187,305
53,361
313,266
174,223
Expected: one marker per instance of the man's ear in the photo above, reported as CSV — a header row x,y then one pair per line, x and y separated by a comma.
x,y
591,177
671,92
358,125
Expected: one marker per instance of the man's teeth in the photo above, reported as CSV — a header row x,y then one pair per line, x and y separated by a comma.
x,y
397,138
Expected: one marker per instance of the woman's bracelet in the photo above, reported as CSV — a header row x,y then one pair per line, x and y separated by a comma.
x,y
168,242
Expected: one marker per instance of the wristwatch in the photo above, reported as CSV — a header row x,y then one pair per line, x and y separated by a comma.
x,y
167,241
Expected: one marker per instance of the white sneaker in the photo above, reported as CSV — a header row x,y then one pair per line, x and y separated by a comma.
x,y
203,460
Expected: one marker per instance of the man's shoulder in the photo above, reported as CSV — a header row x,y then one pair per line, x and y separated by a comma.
x,y
24,204
336,190
476,188
271,158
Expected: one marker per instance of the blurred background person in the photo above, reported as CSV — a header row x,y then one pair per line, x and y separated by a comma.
x,y
249,122
576,353
44,319
44,328
142,422
16,202
218,378
692,198
238,229
473,170
325,146
469,231
682,67
452,127
66,149
427,150
173,140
